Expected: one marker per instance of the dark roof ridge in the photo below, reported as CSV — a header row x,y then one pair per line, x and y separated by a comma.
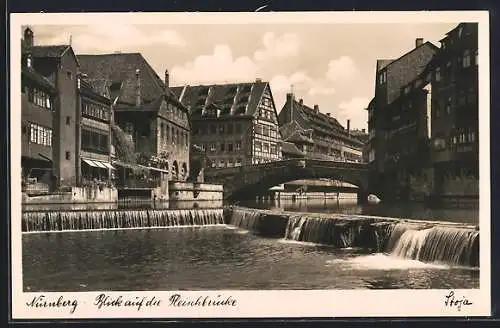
x,y
411,51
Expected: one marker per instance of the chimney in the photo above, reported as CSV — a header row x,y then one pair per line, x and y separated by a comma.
x,y
348,127
419,42
329,114
289,100
363,130
137,88
167,78
28,37
301,102
316,108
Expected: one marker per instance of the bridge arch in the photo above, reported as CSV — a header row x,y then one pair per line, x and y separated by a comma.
x,y
246,182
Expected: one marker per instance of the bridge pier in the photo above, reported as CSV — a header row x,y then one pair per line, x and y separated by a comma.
x,y
362,197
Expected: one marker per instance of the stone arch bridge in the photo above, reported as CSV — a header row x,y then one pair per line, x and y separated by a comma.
x,y
252,180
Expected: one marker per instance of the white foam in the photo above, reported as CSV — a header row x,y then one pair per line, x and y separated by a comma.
x,y
381,261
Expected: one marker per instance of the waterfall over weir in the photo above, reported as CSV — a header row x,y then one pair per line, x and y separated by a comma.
x,y
442,242
118,219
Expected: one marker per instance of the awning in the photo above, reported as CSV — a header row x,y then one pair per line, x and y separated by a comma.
x,y
157,169
108,165
89,162
99,164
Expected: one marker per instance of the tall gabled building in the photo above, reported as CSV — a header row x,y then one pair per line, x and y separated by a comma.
x,y
319,135
236,124
49,110
146,110
397,116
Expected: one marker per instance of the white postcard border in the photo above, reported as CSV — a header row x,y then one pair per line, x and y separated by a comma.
x,y
266,303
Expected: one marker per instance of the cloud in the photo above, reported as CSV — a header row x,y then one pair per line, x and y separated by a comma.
x,y
354,110
218,67
320,90
298,80
342,69
286,45
108,38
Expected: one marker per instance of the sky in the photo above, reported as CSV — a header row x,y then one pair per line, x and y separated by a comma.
x,y
331,65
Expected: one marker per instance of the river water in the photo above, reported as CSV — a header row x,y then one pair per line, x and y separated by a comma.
x,y
226,257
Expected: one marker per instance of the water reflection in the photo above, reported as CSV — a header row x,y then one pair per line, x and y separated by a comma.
x,y
417,211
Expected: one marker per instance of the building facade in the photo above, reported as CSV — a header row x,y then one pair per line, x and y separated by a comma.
x,y
454,150
146,111
397,140
423,121
319,135
50,108
93,132
235,124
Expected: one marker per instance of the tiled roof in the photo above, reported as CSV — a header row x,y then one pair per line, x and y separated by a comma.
x,y
293,132
291,149
120,71
231,99
38,78
54,51
308,118
403,70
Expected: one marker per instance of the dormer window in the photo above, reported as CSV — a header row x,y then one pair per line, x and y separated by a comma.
x,y
29,61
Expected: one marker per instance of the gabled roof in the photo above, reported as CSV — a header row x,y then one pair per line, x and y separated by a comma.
x,y
291,149
52,51
119,69
31,74
232,99
382,63
406,68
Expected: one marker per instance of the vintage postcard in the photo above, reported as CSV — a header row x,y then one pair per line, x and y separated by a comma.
x,y
238,165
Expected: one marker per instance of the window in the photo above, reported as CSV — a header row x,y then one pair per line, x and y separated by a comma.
x,y
230,163
466,60
438,74
258,146
448,105
229,147
69,75
68,155
237,145
238,162
265,130
476,58
213,129
93,141
383,77
40,135
28,61
167,128
203,147
186,140
213,147
238,128
273,149
222,163
258,129
222,147
95,111
40,98
68,120
230,128
221,128
265,148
